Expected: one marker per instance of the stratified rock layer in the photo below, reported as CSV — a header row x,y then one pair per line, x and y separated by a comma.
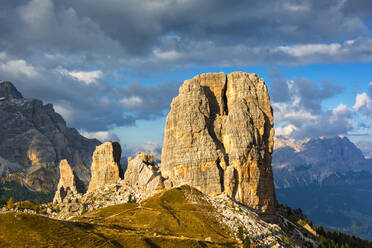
x,y
105,167
69,183
219,138
143,176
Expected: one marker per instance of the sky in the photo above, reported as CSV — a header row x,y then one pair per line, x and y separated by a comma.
x,y
111,68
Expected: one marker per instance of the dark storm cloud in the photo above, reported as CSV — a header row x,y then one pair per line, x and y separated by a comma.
x,y
91,105
44,41
360,8
131,28
311,95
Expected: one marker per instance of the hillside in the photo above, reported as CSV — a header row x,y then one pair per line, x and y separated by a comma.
x,y
180,217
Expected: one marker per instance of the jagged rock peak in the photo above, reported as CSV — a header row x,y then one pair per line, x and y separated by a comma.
x,y
9,91
143,175
219,138
69,183
105,167
37,138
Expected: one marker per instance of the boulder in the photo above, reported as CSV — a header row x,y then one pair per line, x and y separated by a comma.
x,y
143,176
219,138
105,167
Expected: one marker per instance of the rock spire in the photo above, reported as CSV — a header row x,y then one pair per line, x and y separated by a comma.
x,y
105,167
69,183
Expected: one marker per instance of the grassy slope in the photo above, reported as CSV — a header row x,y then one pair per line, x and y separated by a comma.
x,y
175,218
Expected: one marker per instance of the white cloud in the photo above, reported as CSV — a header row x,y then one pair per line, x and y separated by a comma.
x,y
350,50
132,102
302,115
283,112
340,113
66,113
296,7
311,49
18,68
87,76
102,136
362,103
340,109
286,130
167,55
3,55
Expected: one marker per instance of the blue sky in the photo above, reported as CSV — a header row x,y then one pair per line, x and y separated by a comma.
x,y
111,68
352,77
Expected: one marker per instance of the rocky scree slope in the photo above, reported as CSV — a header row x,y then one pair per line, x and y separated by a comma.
x,y
34,139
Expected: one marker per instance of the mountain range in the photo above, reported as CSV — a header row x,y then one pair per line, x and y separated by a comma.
x,y
219,139
329,179
34,139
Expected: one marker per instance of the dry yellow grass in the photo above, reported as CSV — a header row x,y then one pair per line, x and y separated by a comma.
x,y
179,217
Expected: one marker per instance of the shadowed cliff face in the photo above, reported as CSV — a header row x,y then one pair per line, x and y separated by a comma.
x,y
219,138
36,138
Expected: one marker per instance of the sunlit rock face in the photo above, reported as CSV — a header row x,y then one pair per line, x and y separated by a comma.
x,y
105,167
34,136
69,184
143,175
219,138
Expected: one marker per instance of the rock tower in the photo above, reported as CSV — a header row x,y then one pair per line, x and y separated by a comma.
x,y
219,138
69,183
105,167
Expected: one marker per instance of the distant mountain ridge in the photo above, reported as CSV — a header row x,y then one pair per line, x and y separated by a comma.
x,y
329,179
316,161
34,139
